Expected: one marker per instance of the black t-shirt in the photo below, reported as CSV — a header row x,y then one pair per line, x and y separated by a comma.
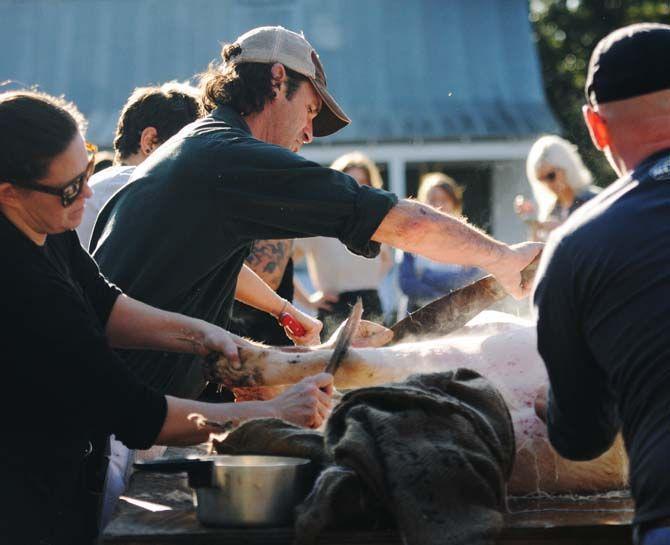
x,y
176,236
64,388
603,302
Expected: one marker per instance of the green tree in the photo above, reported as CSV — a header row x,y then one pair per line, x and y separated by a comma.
x,y
566,31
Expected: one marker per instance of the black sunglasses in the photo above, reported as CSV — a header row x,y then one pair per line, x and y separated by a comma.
x,y
71,190
549,177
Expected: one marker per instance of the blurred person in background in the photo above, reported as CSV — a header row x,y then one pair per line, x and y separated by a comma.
x,y
149,117
338,275
103,160
422,280
560,181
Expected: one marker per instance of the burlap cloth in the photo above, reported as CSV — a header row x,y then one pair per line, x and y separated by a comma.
x,y
429,456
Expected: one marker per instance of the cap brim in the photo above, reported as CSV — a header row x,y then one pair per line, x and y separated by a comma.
x,y
331,118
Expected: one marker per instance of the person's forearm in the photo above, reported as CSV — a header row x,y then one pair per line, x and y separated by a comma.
x,y
132,324
179,430
268,259
420,229
253,291
577,438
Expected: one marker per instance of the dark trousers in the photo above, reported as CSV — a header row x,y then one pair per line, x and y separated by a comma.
x,y
372,310
653,536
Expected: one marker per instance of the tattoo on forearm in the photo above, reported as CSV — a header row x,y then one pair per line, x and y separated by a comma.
x,y
268,259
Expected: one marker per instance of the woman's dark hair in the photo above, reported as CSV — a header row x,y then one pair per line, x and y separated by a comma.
x,y
246,87
167,108
34,128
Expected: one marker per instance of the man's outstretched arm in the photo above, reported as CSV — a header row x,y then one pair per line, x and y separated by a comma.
x,y
421,229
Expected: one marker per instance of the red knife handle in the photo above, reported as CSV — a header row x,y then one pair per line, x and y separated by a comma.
x,y
294,327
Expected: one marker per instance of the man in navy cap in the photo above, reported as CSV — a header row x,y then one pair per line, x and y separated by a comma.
x,y
603,289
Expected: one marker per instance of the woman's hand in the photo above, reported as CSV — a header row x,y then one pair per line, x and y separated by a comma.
x,y
216,339
307,403
312,327
523,207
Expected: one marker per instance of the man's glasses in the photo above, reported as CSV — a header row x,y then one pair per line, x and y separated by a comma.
x,y
69,192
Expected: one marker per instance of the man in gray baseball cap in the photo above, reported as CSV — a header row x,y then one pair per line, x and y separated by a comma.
x,y
278,45
603,288
177,235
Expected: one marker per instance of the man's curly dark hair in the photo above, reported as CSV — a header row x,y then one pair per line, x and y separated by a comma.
x,y
167,108
246,87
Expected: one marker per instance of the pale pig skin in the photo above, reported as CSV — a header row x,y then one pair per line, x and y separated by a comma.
x,y
499,346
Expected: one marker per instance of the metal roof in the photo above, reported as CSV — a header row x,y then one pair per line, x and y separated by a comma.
x,y
403,71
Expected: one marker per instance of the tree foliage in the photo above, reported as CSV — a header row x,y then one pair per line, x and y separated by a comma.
x,y
566,31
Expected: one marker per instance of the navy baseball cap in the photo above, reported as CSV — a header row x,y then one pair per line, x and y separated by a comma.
x,y
629,62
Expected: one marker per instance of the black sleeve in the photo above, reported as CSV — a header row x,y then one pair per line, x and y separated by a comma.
x,y
101,293
581,419
78,386
287,196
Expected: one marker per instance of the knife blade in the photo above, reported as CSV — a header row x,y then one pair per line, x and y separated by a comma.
x,y
344,337
454,310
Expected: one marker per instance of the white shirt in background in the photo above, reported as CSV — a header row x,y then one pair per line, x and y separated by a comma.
x,y
104,184
334,269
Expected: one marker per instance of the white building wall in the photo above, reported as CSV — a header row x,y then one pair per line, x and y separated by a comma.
x,y
508,179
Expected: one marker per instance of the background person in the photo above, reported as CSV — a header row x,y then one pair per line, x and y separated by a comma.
x,y
603,287
149,117
103,160
339,276
423,280
560,183
67,390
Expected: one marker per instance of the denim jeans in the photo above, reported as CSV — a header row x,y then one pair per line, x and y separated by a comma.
x,y
655,536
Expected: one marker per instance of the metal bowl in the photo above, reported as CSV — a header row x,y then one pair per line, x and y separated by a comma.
x,y
243,491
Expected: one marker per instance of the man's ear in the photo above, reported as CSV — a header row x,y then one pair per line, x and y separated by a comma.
x,y
148,141
7,193
278,72
597,127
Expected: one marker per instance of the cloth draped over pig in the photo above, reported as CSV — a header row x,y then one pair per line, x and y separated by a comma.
x,y
430,456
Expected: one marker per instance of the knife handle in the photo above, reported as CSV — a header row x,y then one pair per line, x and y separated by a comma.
x,y
294,327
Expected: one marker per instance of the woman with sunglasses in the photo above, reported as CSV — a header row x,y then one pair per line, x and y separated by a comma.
x,y
65,389
560,183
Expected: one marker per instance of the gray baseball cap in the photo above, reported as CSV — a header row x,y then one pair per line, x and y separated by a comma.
x,y
271,44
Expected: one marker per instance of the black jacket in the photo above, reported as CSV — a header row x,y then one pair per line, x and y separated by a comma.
x,y
64,392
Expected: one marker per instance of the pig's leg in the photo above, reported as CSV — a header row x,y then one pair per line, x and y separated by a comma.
x,y
361,367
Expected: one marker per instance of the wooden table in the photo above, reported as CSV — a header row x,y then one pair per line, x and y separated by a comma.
x,y
594,521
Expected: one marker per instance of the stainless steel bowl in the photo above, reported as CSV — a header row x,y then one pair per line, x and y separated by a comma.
x,y
243,491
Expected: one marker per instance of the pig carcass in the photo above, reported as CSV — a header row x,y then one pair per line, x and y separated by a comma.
x,y
498,346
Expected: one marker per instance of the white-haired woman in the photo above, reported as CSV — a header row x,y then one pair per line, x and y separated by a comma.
x,y
560,181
